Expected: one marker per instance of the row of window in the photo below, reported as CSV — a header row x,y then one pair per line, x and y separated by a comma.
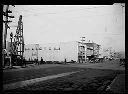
x,y
41,48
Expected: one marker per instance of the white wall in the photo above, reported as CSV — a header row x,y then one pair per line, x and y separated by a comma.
x,y
68,51
32,54
50,55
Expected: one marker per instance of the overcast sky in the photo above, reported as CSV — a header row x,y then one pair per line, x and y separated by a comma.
x,y
102,24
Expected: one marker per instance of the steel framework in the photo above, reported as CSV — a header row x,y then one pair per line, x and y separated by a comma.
x,y
19,39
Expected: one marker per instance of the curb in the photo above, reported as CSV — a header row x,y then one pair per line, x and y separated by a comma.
x,y
114,86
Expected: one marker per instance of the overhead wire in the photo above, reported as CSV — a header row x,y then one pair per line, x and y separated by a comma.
x,y
81,13
69,11
36,14
92,15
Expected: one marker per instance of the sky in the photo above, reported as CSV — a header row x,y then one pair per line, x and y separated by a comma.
x,y
102,24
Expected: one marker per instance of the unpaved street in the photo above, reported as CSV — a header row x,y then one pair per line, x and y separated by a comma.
x,y
91,78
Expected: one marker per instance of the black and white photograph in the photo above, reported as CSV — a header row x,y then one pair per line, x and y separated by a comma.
x,y
64,48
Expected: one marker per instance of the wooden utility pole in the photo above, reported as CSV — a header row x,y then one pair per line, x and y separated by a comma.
x,y
6,28
6,23
5,33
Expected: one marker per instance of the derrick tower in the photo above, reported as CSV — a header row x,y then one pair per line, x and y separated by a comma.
x,y
19,39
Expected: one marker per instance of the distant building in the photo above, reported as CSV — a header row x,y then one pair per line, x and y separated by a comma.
x,y
92,50
109,53
120,54
56,51
71,51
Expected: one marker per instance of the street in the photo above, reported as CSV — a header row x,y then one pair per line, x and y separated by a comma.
x,y
34,72
97,75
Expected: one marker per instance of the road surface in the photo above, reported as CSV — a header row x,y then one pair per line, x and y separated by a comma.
x,y
91,71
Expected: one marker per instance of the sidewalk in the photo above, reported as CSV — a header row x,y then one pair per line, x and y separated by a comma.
x,y
113,65
16,67
118,84
29,66
106,65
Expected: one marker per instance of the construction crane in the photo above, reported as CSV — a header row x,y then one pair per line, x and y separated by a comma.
x,y
19,40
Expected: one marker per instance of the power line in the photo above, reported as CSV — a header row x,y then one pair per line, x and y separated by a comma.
x,y
36,14
80,16
93,15
6,14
